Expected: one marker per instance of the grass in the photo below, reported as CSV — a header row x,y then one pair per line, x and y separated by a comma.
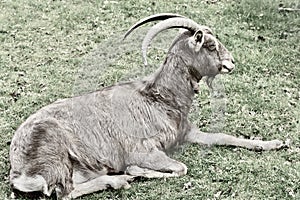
x,y
44,44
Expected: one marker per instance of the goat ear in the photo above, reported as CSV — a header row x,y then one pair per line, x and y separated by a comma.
x,y
199,40
198,36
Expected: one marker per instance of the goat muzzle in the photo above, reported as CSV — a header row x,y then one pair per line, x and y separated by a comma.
x,y
227,67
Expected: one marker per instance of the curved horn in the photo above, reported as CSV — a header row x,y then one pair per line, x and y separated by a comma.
x,y
156,17
167,24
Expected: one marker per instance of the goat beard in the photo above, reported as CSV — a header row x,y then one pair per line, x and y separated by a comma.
x,y
209,81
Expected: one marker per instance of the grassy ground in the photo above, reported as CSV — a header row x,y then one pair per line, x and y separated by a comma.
x,y
44,43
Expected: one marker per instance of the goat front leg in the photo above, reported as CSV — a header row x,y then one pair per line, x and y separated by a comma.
x,y
100,183
155,164
196,136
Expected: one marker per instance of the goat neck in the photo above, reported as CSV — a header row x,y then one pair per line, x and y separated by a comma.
x,y
172,84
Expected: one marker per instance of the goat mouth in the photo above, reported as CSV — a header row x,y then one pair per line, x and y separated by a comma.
x,y
226,70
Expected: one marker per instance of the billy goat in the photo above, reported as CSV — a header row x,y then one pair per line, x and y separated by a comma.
x,y
76,147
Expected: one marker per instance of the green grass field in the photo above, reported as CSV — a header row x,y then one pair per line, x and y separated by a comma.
x,y
43,44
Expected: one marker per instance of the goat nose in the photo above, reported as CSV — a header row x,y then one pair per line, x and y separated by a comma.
x,y
227,66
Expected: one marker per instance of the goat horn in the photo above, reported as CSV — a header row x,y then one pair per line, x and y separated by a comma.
x,y
167,24
156,17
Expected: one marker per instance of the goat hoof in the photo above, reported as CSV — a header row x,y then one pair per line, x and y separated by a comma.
x,y
127,186
121,182
277,144
269,145
287,143
273,144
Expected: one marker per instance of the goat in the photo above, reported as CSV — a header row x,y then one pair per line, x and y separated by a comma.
x,y
75,147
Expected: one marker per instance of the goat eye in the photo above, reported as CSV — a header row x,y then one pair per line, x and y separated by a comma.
x,y
211,47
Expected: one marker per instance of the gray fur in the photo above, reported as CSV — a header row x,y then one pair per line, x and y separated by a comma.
x,y
72,143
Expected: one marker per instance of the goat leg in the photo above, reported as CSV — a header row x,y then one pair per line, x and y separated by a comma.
x,y
100,183
155,164
196,136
